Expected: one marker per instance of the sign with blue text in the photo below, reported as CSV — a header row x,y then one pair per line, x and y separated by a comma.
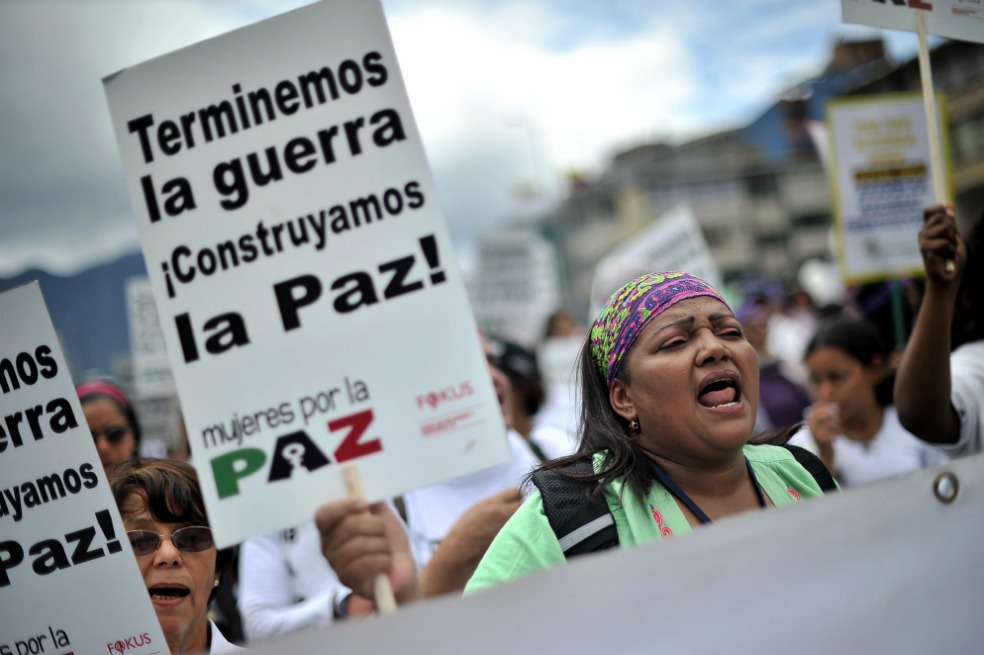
x,y
312,308
880,182
69,582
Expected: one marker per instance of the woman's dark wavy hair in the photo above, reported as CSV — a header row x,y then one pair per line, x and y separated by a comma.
x,y
861,340
171,492
601,429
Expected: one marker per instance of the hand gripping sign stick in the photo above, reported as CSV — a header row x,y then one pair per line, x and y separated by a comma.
x,y
929,103
383,591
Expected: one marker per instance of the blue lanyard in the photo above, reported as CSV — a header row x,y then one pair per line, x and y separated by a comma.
x,y
682,496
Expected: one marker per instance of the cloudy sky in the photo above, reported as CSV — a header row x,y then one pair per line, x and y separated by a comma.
x,y
543,87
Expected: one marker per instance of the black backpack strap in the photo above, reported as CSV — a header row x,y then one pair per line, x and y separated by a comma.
x,y
814,465
581,525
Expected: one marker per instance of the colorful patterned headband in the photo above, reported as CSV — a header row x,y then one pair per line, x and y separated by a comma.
x,y
105,388
630,309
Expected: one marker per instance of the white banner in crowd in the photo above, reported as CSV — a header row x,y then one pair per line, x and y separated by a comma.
x,y
515,286
152,376
881,180
672,242
305,281
886,568
954,19
69,582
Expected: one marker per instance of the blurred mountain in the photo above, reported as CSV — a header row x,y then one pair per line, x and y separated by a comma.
x,y
89,313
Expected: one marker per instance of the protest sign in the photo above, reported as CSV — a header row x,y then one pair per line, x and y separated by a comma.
x,y
312,308
673,242
69,582
151,370
516,284
880,181
954,19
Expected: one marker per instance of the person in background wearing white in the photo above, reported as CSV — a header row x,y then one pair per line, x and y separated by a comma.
x,y
852,424
782,401
285,584
557,355
526,381
790,330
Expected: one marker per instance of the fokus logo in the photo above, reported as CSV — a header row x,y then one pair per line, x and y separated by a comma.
x,y
445,411
121,646
435,399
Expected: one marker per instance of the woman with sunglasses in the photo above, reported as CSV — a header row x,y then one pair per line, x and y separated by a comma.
x,y
112,421
162,508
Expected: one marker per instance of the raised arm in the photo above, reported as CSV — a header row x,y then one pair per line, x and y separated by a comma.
x,y
922,383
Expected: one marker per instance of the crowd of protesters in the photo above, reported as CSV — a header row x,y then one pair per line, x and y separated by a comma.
x,y
676,402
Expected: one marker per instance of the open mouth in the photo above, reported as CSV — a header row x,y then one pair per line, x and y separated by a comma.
x,y
168,593
721,392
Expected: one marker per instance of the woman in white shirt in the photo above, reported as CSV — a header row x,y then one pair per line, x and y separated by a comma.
x,y
852,424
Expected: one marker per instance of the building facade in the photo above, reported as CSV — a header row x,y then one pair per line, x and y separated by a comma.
x,y
760,192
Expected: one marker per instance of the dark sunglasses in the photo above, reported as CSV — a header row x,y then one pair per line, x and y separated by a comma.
x,y
192,539
113,435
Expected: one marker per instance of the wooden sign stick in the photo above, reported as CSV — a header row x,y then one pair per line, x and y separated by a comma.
x,y
929,103
383,590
